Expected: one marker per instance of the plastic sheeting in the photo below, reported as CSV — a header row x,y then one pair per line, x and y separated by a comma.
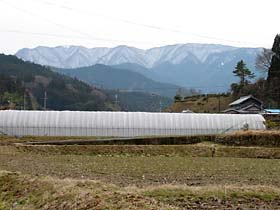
x,y
123,124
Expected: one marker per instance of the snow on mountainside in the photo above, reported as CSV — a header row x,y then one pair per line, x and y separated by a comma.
x,y
77,56
123,54
62,56
175,54
206,66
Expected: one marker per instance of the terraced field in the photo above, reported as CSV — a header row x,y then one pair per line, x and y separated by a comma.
x,y
45,177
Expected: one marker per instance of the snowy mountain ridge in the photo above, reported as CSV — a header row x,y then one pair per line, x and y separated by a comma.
x,y
78,56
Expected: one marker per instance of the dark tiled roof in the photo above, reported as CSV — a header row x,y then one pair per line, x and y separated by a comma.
x,y
242,99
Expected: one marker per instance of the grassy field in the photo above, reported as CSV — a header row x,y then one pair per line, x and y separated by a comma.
x,y
48,178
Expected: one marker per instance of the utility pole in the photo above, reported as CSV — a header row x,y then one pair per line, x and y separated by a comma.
x,y
219,104
24,100
160,105
116,99
45,100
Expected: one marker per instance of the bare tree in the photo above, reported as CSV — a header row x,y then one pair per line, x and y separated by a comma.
x,y
263,60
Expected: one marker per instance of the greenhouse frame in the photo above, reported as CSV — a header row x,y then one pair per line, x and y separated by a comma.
x,y
122,124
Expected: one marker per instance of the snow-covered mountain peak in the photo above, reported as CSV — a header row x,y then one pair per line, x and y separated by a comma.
x,y
78,56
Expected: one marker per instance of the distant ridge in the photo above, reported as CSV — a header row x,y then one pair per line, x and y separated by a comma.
x,y
78,56
207,67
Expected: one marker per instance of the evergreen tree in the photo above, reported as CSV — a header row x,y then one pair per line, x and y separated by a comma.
x,y
243,73
273,78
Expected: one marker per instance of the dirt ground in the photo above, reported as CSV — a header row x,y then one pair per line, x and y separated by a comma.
x,y
140,181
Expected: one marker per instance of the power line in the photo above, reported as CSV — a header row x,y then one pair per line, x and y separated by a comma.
x,y
117,19
184,88
155,89
83,11
41,34
43,18
84,35
99,85
70,37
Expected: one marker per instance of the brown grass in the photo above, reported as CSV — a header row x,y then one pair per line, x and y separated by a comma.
x,y
142,170
202,104
43,192
245,138
206,149
252,138
26,192
9,140
139,176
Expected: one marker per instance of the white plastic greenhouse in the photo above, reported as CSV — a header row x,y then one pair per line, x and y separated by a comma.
x,y
122,124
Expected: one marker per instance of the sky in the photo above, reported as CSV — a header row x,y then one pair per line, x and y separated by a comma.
x,y
139,23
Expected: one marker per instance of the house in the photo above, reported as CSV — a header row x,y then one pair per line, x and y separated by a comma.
x,y
272,115
245,105
272,111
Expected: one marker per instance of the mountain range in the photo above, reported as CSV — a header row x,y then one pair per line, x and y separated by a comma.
x,y
78,56
207,67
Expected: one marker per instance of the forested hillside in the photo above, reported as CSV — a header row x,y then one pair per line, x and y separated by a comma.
x,y
117,78
24,84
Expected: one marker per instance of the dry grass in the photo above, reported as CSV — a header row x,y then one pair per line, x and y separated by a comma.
x,y
139,177
36,192
217,197
203,149
9,140
202,104
255,133
268,138
142,170
26,192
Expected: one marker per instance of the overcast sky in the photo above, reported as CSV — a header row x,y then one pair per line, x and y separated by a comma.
x,y
139,23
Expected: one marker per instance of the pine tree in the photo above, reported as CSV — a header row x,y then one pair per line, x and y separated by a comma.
x,y
273,78
243,73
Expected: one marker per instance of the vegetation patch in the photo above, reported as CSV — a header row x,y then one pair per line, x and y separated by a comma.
x,y
10,140
26,192
113,177
265,138
211,103
43,192
142,170
252,138
196,150
216,196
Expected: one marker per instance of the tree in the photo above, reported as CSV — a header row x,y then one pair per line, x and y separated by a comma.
x,y
273,78
243,73
177,98
263,60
